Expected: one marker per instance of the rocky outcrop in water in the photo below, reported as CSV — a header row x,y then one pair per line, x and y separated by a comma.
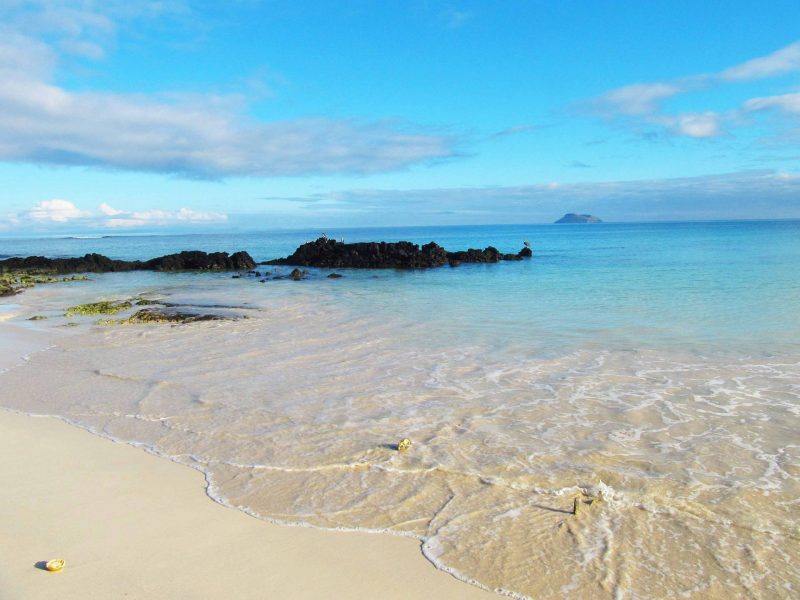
x,y
328,253
193,260
15,281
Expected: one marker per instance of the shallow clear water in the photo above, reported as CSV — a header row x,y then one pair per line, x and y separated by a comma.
x,y
653,366
609,285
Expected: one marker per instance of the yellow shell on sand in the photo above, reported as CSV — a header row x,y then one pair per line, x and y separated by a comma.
x,y
404,445
55,565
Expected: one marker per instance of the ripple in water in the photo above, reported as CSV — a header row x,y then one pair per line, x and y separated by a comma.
x,y
293,414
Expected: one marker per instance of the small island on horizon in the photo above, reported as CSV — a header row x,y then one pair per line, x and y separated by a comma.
x,y
576,218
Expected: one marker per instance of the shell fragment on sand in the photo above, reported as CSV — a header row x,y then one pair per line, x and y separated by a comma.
x,y
55,565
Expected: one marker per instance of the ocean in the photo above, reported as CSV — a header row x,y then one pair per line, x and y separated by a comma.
x,y
649,372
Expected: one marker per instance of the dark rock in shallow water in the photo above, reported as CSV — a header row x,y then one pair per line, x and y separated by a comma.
x,y
525,253
146,302
575,218
162,316
335,276
152,315
201,261
104,307
488,255
97,263
297,274
328,253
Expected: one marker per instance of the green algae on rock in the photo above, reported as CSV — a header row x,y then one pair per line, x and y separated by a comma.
x,y
104,307
145,302
13,282
148,316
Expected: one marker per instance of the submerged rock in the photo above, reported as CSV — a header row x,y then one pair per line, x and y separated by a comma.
x,y
145,302
165,316
150,315
13,282
104,307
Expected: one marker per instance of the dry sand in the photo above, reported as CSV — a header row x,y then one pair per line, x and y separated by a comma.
x,y
136,526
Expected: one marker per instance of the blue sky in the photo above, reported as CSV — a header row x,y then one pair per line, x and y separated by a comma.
x,y
179,115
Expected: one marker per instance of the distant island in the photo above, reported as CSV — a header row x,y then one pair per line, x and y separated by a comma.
x,y
574,218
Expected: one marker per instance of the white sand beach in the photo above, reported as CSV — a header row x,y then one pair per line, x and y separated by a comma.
x,y
132,525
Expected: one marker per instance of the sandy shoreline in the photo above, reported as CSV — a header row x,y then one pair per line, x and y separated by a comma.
x,y
132,525
291,413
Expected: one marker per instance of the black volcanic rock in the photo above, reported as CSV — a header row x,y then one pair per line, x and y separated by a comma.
x,y
328,253
575,218
195,260
525,253
97,263
489,255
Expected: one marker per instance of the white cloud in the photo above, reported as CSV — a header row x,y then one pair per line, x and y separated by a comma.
x,y
55,211
779,62
160,218
108,210
58,213
189,135
123,223
789,103
193,216
697,125
640,104
637,99
43,123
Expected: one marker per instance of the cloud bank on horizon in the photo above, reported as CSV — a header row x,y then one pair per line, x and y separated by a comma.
x,y
689,198
426,119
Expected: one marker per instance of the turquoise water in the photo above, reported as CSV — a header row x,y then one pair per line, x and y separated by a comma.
x,y
654,368
721,286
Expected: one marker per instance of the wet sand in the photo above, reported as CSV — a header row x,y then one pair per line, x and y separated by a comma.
x,y
132,525
291,414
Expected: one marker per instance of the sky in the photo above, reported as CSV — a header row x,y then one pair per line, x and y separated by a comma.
x,y
172,115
